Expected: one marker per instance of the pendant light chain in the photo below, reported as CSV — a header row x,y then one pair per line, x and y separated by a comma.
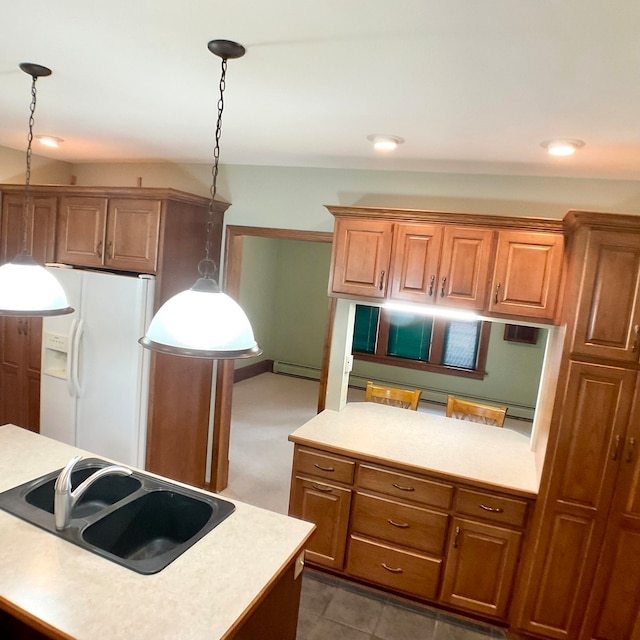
x,y
27,182
208,266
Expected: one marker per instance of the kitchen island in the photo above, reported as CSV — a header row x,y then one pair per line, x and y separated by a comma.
x,y
430,507
240,577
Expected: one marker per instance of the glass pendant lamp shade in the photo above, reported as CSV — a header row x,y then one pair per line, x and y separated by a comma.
x,y
28,289
202,322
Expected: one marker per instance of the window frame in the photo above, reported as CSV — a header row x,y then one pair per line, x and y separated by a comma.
x,y
435,356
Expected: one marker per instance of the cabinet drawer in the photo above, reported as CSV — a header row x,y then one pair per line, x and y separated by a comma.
x,y
403,524
492,507
407,487
324,466
398,569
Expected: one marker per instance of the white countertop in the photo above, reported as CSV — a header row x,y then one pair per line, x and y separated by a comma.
x,y
453,448
201,594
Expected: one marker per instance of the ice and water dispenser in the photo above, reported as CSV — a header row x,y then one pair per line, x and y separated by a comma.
x,y
55,355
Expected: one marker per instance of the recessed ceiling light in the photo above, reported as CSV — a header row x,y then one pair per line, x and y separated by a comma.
x,y
560,147
385,142
49,141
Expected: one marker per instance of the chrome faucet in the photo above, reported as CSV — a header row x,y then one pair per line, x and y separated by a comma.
x,y
65,498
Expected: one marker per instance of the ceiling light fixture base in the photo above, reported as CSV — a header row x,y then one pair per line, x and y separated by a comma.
x,y
562,146
226,49
35,70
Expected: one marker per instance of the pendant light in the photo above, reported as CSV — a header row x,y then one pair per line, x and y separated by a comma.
x,y
27,289
203,322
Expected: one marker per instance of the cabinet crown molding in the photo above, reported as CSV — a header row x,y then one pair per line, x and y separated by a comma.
x,y
442,217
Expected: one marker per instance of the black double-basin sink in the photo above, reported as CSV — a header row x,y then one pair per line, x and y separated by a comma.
x,y
138,521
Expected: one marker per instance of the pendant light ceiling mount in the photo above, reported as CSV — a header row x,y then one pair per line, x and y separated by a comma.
x,y
204,322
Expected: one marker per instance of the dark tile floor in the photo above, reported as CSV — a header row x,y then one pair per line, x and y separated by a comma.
x,y
335,609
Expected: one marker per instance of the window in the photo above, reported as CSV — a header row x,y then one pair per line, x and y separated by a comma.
x,y
413,340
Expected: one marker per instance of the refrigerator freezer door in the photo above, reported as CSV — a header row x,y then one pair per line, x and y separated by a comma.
x,y
112,373
57,397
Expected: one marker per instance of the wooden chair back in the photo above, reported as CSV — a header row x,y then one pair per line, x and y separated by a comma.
x,y
476,412
403,398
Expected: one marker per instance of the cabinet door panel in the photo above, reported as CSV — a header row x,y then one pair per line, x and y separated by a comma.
x,y
361,256
416,252
480,568
464,267
327,506
608,316
553,604
41,220
81,231
592,431
132,234
527,274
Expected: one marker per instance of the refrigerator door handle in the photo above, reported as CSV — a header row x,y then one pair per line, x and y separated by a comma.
x,y
77,338
70,355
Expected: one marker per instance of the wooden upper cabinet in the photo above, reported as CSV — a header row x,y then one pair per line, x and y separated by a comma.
x,y
438,264
608,317
527,274
133,227
41,222
464,267
82,225
361,257
115,233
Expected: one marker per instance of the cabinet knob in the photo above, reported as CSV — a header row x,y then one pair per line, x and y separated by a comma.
x,y
632,444
616,447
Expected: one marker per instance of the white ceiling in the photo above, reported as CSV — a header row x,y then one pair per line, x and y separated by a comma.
x,y
472,85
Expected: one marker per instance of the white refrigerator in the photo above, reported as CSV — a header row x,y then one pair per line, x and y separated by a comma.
x,y
95,375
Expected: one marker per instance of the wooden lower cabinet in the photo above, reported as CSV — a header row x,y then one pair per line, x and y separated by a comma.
x,y
327,506
481,566
417,535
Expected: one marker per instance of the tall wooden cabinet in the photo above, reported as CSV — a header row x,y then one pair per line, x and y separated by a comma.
x,y
587,528
20,338
139,230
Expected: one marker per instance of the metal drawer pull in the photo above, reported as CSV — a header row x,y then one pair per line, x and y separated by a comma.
x,y
495,299
431,283
492,509
99,249
455,540
632,443
400,525
444,281
614,457
319,488
329,469
636,342
381,283
384,566
397,486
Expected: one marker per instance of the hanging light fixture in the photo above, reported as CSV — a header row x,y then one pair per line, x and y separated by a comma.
x,y
203,322
26,287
